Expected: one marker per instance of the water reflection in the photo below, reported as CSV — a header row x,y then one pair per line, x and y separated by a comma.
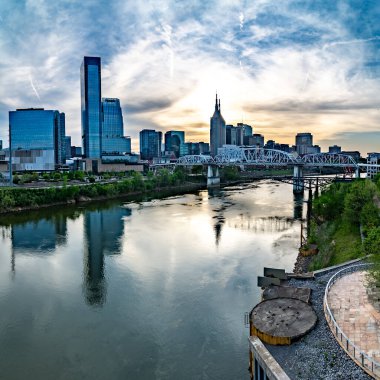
x,y
175,275
298,206
103,232
39,237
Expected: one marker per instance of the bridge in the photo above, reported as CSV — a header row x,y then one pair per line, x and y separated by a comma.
x,y
252,156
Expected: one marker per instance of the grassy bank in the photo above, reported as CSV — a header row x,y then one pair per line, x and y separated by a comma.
x,y
15,199
342,216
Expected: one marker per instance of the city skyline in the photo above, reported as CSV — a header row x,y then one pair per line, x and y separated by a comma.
x,y
283,69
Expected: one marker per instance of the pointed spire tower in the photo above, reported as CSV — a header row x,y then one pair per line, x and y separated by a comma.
x,y
217,129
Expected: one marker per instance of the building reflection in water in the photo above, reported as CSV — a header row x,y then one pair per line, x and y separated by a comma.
x,y
103,230
39,237
298,206
215,192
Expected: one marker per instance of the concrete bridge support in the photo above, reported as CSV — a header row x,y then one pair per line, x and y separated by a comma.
x,y
298,185
357,172
213,177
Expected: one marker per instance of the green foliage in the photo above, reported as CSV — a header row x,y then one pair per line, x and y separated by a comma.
x,y
371,244
231,173
360,193
339,212
33,197
16,179
79,175
57,176
369,217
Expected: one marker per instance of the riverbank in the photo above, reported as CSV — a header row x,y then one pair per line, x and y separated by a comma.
x,y
18,200
342,217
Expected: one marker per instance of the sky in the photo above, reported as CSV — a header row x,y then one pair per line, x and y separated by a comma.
x,y
281,66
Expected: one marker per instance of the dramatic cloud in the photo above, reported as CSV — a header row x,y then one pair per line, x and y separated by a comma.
x,y
283,66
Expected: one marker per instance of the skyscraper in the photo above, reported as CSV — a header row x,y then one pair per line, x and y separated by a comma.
x,y
217,129
91,94
304,141
1,144
36,138
113,140
173,141
150,144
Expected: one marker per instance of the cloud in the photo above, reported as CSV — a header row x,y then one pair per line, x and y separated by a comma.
x,y
282,66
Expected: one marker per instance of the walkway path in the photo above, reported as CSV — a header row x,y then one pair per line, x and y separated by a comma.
x,y
355,314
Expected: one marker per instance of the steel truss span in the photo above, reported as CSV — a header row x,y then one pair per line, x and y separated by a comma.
x,y
268,157
329,159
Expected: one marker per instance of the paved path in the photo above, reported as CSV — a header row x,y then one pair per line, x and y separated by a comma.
x,y
355,314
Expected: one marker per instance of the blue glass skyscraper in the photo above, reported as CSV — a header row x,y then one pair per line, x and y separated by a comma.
x,y
91,95
173,141
36,138
113,140
150,144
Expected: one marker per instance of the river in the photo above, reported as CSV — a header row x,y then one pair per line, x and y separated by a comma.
x,y
149,289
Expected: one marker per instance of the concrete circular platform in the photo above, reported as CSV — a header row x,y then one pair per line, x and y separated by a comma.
x,y
282,320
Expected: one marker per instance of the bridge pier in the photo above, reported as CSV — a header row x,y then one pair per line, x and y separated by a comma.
x,y
357,172
298,185
213,177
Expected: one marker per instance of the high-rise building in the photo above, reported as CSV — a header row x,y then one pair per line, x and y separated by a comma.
x,y
246,132
231,135
91,95
173,141
217,129
112,137
68,147
256,140
1,144
303,142
335,149
36,139
150,144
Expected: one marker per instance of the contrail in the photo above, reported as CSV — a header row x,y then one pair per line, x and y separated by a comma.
x,y
34,88
241,20
349,42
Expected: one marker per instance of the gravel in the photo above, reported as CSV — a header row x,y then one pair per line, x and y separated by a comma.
x,y
318,354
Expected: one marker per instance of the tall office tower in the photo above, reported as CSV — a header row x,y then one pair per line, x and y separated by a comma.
x,y
113,140
150,144
173,141
217,129
303,142
239,135
68,147
231,135
36,139
1,144
91,94
246,131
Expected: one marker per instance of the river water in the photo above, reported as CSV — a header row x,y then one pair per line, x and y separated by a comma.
x,y
155,289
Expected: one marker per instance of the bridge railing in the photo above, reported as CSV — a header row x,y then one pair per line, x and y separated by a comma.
x,y
361,358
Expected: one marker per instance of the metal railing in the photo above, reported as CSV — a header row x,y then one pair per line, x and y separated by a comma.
x,y
364,360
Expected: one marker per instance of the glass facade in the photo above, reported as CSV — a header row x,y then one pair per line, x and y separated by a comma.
x,y
67,147
150,144
37,138
91,107
173,141
113,141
